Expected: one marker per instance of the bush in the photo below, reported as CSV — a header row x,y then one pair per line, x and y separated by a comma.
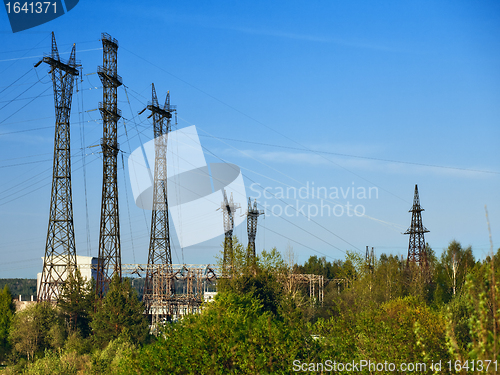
x,y
233,335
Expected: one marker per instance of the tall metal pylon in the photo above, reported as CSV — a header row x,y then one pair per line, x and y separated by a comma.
x,y
228,208
159,283
109,260
417,253
60,251
253,214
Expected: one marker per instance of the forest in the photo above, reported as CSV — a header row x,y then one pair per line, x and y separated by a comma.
x,y
387,317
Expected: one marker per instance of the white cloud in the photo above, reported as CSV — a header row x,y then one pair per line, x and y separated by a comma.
x,y
353,163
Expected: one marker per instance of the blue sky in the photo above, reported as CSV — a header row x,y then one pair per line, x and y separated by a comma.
x,y
333,94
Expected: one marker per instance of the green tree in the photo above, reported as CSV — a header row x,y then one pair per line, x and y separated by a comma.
x,y
263,278
482,303
263,286
458,313
329,270
7,310
232,335
388,275
76,303
451,271
403,330
120,311
36,328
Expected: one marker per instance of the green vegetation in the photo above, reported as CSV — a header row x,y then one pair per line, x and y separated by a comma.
x,y
262,322
7,310
120,312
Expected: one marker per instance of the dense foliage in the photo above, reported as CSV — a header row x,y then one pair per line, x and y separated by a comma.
x,y
119,312
7,310
263,322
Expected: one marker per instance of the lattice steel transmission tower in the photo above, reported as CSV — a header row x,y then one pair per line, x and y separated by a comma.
x,y
228,208
417,253
252,215
159,283
109,260
60,251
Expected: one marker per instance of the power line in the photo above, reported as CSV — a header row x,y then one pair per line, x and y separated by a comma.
x,y
1,122
260,122
28,162
6,87
62,44
34,119
10,101
38,56
43,39
297,242
314,221
353,156
317,237
26,130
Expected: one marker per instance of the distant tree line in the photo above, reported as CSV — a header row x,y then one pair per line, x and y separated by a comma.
x,y
24,287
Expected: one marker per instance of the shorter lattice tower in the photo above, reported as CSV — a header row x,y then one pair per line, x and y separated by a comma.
x,y
228,208
417,253
252,215
60,251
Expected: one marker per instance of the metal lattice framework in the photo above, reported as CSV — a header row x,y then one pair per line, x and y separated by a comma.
x,y
191,281
159,283
228,208
60,251
252,216
316,285
109,260
416,247
188,281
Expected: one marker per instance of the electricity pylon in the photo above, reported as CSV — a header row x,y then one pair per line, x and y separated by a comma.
x,y
228,208
417,254
252,215
159,286
109,260
60,251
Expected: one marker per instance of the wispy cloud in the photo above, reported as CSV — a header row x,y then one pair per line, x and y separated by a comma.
x,y
352,163
222,24
314,38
